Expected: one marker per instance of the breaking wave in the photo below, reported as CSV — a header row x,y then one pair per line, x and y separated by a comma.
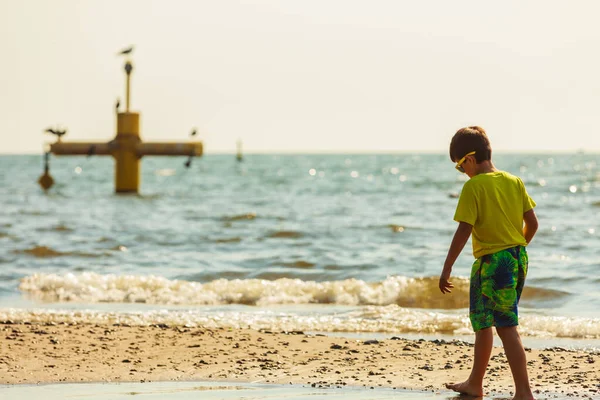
x,y
403,291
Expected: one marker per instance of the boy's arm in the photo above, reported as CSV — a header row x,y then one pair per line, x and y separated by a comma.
x,y
461,236
531,225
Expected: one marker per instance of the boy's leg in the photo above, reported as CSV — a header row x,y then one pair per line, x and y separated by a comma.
x,y
515,353
484,340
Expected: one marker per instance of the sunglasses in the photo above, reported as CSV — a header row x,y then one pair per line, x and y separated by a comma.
x,y
462,160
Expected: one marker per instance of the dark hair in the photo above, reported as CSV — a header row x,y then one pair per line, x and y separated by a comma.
x,y
466,140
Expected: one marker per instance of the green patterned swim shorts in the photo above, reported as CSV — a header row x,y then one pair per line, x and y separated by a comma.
x,y
496,284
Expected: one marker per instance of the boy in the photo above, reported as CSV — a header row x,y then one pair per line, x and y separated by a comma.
x,y
492,207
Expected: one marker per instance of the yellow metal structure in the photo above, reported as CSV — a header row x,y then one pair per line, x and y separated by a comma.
x,y
80,149
126,148
127,160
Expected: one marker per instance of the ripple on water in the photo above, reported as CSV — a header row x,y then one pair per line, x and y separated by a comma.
x,y
33,213
210,276
298,264
47,252
285,235
7,277
56,228
240,217
228,240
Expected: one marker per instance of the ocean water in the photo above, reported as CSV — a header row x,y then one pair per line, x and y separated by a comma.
x,y
329,243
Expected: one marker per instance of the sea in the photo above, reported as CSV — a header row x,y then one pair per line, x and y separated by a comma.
x,y
341,244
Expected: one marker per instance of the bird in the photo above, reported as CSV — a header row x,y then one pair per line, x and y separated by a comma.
x,y
56,132
125,51
194,132
118,104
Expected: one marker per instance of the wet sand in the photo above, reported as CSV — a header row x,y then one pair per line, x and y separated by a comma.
x,y
211,391
37,353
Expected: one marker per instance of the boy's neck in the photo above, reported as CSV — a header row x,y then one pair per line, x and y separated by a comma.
x,y
485,167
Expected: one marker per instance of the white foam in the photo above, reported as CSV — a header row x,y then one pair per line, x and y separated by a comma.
x,y
90,287
388,319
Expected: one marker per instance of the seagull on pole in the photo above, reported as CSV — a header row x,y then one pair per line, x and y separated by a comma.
x,y
194,132
56,132
125,51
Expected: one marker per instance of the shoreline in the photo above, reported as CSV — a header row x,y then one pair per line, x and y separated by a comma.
x,y
212,390
32,353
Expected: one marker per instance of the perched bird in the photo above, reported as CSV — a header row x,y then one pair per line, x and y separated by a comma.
x,y
126,51
194,132
56,132
118,104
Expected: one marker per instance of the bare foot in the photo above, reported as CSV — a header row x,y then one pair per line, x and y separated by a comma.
x,y
466,388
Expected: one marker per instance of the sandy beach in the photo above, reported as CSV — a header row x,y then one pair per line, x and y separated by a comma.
x,y
37,353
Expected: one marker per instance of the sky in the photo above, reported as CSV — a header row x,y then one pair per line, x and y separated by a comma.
x,y
306,75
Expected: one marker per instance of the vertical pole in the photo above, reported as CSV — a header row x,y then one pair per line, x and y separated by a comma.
x,y
239,155
127,94
128,69
46,162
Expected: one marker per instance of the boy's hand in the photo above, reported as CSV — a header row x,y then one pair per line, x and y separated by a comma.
x,y
459,240
445,285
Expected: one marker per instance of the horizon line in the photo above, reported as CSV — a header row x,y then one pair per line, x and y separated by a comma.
x,y
353,152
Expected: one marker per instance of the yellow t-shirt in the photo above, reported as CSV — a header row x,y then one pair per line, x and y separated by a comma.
x,y
494,203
